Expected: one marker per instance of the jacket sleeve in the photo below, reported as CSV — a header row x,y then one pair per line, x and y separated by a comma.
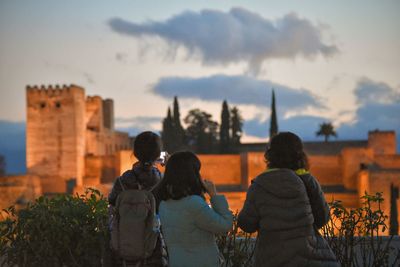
x,y
248,218
320,208
217,218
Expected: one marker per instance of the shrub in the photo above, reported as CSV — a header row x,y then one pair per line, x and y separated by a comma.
x,y
236,247
64,230
72,231
355,235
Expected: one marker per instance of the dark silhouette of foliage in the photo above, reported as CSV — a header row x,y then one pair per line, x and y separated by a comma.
x,y
224,135
179,138
64,230
355,235
2,166
68,230
393,223
273,129
173,135
201,131
167,134
326,129
236,126
237,247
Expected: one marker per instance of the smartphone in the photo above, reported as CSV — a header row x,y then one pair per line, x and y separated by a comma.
x,y
162,158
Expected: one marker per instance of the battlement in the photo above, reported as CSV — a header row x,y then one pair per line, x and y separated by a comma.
x,y
383,142
93,99
382,133
50,90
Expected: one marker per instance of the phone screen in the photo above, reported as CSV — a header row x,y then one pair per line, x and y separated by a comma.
x,y
162,155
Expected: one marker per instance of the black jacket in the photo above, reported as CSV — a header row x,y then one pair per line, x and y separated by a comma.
x,y
285,214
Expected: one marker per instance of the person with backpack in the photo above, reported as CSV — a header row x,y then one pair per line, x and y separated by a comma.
x,y
135,237
188,223
286,205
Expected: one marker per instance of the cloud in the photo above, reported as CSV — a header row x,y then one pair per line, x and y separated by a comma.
x,y
88,78
235,36
12,146
121,57
136,125
379,108
303,125
370,92
238,89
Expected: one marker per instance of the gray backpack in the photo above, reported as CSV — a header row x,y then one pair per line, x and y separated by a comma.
x,y
135,224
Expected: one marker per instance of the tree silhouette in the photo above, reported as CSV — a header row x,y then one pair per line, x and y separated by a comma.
x,y
201,131
224,136
167,134
326,129
179,131
236,126
2,166
273,129
394,223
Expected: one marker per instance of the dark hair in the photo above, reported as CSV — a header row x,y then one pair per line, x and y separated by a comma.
x,y
147,148
285,150
181,177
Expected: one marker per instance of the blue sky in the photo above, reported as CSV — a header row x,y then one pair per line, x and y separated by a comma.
x,y
335,61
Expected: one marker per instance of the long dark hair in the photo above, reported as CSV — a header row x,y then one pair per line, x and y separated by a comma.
x,y
181,177
147,148
285,150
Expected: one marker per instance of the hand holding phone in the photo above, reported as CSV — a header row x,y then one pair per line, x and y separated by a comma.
x,y
163,158
210,187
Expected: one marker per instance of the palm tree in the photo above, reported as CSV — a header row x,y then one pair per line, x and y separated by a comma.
x,y
326,129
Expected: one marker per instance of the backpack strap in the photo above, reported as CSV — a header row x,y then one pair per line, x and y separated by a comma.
x,y
120,182
137,180
140,187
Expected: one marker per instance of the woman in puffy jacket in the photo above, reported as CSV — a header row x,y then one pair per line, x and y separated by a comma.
x,y
188,223
286,206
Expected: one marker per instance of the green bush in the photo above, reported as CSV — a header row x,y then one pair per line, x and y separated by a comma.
x,y
61,231
72,231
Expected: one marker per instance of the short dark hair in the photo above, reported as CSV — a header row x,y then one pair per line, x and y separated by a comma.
x,y
147,147
181,177
285,150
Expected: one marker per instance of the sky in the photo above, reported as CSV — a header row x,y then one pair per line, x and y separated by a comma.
x,y
328,61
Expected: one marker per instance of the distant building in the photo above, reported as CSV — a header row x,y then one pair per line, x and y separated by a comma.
x,y
70,136
72,144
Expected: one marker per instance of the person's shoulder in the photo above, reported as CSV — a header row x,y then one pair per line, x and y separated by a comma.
x,y
272,175
194,201
127,175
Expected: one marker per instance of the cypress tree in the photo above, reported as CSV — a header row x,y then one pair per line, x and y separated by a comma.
x,y
273,129
393,224
179,131
236,126
167,135
224,137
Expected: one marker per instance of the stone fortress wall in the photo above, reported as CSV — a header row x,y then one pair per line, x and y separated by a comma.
x,y
71,138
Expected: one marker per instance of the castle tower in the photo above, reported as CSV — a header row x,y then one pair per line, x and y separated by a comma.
x,y
382,142
108,113
55,138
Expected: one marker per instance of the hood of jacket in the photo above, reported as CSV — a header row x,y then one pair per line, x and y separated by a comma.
x,y
283,183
